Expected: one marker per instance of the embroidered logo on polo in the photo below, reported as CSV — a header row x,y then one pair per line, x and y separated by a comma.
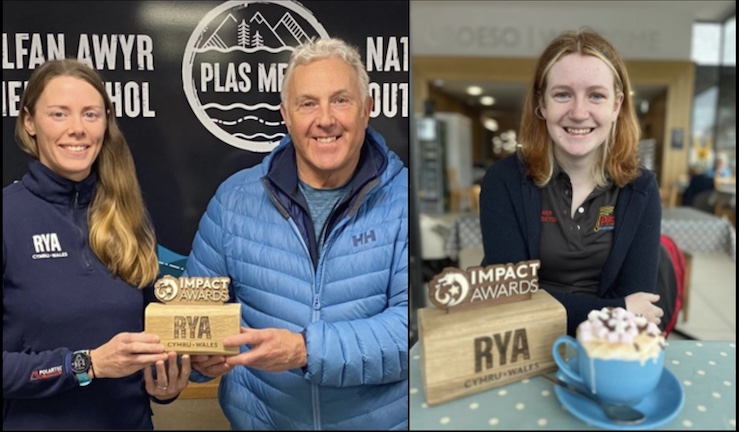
x,y
606,220
47,246
46,373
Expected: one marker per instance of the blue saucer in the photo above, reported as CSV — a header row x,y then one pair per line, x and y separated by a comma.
x,y
660,406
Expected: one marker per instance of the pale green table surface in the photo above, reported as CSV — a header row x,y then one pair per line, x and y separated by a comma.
x,y
705,369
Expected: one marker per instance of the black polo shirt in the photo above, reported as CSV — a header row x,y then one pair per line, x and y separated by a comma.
x,y
573,250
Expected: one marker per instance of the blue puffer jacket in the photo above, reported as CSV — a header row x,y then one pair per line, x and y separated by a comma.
x,y
352,299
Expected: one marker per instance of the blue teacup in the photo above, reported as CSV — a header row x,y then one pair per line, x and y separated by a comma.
x,y
616,381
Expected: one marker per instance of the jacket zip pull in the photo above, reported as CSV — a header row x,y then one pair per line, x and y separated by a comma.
x,y
317,302
75,205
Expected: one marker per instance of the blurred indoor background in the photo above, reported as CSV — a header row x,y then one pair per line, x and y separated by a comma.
x,y
471,64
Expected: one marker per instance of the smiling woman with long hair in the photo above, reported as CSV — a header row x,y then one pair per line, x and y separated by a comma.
x,y
574,195
79,258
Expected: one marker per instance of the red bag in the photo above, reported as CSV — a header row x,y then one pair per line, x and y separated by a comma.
x,y
672,301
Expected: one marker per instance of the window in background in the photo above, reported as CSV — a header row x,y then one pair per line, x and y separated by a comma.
x,y
713,50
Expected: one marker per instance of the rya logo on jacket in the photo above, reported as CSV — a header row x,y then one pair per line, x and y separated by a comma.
x,y
47,246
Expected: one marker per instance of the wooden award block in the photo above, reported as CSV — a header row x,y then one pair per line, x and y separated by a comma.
x,y
194,329
477,349
192,318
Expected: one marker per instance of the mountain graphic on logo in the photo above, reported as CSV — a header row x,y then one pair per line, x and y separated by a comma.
x,y
287,32
256,33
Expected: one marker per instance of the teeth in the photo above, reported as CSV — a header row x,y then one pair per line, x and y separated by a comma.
x,y
326,140
75,148
578,131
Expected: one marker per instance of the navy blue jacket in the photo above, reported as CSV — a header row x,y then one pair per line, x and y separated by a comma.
x,y
59,298
510,210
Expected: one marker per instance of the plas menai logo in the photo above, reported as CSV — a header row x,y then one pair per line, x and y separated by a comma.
x,y
233,67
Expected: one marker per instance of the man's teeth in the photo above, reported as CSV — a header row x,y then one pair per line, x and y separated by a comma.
x,y
75,148
578,131
326,140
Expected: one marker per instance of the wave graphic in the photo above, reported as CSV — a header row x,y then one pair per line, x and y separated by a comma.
x,y
260,135
243,124
235,105
242,49
245,118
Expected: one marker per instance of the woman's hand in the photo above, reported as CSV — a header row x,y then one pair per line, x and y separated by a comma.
x,y
126,354
641,303
172,377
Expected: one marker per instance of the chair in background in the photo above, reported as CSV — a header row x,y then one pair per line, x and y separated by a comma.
x,y
698,192
462,199
455,192
669,196
704,201
474,196
725,198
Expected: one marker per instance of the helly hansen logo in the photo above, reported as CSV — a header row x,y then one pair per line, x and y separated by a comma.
x,y
47,246
364,238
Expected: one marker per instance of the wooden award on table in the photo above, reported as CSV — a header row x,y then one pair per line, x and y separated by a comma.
x,y
192,318
489,326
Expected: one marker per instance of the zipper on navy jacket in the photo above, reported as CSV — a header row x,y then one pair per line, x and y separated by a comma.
x,y
83,249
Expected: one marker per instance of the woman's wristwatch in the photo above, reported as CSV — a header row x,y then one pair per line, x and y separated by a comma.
x,y
81,365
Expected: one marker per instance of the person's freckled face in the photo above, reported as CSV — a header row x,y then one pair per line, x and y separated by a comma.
x,y
69,126
326,117
580,104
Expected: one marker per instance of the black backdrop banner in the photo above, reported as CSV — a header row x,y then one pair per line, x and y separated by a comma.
x,y
195,84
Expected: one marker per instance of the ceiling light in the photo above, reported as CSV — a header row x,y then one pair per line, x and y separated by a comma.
x,y
474,90
644,106
491,124
487,100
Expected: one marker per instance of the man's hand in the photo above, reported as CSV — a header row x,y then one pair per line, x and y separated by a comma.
x,y
210,365
273,350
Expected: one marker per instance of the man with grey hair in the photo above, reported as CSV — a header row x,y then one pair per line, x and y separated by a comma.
x,y
315,241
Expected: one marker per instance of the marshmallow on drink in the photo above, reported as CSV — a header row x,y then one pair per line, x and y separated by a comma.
x,y
617,334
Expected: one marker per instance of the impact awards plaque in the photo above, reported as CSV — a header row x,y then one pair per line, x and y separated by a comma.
x,y
193,317
489,326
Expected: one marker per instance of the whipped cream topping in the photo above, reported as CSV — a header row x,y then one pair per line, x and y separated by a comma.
x,y
615,333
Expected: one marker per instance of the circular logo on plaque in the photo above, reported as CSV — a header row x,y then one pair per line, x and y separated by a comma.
x,y
450,288
166,288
